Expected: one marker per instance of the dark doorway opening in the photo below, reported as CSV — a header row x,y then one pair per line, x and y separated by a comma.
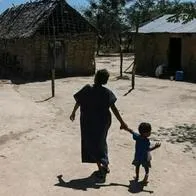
x,y
175,46
59,58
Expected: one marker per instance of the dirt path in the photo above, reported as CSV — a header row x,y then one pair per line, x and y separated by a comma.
x,y
38,142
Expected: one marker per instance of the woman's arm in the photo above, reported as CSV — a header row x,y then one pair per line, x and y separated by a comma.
x,y
72,116
118,116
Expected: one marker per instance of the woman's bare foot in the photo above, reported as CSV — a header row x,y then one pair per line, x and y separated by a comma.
x,y
104,168
107,170
136,178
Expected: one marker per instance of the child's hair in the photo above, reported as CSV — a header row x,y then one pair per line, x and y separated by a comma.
x,y
144,128
101,77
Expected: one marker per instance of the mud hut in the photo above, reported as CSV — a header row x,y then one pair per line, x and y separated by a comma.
x,y
35,35
163,42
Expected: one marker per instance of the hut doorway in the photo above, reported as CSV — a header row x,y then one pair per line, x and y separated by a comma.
x,y
174,61
60,57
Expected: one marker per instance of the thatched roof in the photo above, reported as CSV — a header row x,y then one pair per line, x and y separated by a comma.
x,y
24,20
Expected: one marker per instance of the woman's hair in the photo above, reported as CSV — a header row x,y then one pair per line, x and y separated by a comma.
x,y
101,77
144,128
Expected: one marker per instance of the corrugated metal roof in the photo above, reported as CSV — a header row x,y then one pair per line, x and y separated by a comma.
x,y
161,25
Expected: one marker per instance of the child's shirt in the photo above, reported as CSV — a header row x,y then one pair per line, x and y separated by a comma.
x,y
142,147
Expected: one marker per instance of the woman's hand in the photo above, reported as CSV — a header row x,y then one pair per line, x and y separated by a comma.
x,y
124,126
72,117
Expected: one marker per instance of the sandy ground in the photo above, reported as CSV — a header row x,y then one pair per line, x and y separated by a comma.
x,y
39,142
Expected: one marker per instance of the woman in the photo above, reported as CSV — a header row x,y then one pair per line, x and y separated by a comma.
x,y
95,120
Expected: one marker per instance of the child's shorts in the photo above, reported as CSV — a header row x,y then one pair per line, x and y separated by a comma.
x,y
143,163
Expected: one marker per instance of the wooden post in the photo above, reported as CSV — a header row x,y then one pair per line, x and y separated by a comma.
x,y
121,56
53,70
98,37
134,62
54,58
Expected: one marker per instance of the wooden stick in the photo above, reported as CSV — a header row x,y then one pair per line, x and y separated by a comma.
x,y
121,57
134,62
54,58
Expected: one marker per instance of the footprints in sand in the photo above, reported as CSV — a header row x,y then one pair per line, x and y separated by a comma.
x,y
178,134
13,136
3,156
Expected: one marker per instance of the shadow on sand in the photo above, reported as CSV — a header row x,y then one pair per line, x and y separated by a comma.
x,y
80,184
128,92
92,182
136,187
40,101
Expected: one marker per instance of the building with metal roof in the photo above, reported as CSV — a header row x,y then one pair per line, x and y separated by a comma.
x,y
172,44
162,25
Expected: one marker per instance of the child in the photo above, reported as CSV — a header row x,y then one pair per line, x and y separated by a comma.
x,y
142,149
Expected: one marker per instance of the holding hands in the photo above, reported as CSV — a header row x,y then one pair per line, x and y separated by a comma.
x,y
124,126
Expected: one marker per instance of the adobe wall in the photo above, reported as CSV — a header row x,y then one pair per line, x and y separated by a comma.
x,y
152,50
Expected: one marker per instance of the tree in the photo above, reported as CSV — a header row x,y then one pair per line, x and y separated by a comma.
x,y
142,11
185,11
107,16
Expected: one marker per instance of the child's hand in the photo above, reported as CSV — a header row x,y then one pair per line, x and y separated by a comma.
x,y
157,145
129,130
